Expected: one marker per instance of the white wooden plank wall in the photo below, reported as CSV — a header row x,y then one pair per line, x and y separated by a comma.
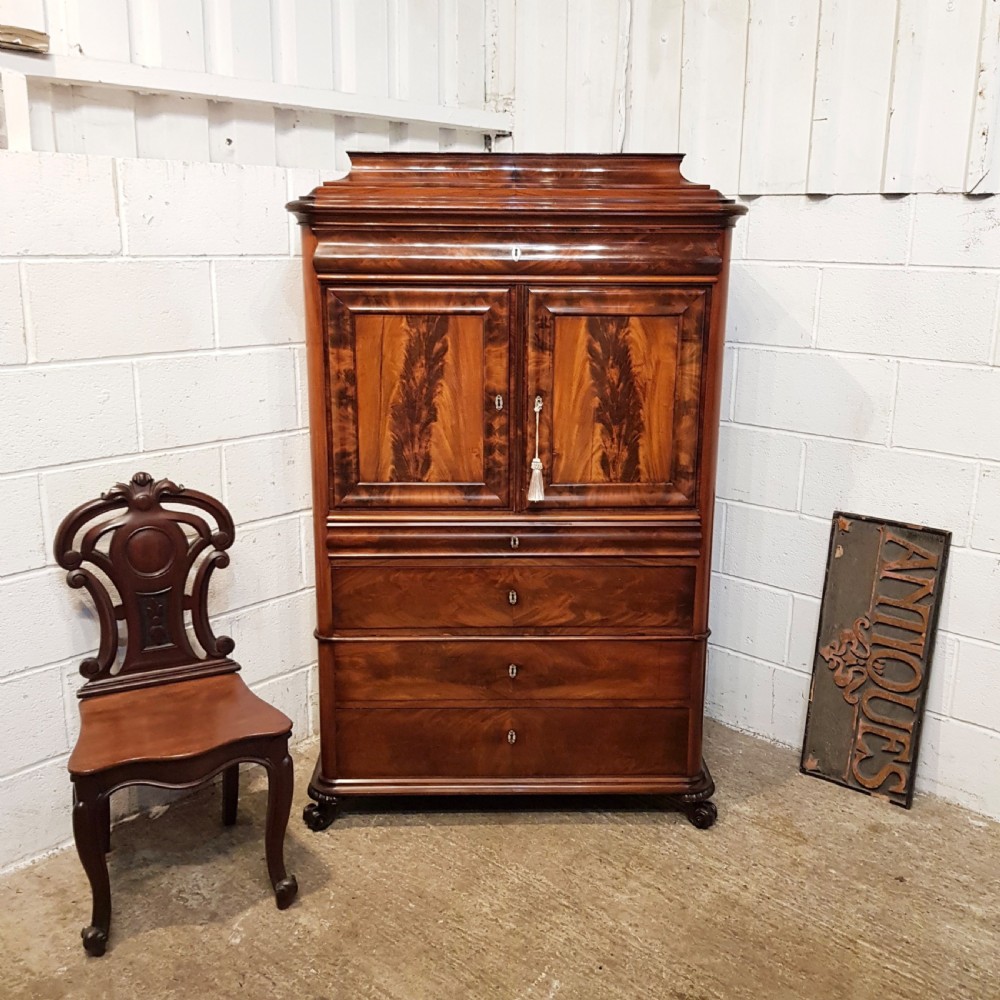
x,y
711,125
770,96
933,94
653,95
433,52
765,96
542,44
851,106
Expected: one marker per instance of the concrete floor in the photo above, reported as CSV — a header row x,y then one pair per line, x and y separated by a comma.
x,y
802,890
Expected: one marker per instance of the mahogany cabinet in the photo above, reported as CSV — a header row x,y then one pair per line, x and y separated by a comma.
x,y
471,318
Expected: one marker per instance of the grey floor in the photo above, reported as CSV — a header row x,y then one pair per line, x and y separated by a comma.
x,y
801,890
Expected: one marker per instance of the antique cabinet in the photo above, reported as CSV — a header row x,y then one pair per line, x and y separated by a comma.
x,y
473,319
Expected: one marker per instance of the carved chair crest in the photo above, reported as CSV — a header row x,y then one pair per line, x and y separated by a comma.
x,y
143,548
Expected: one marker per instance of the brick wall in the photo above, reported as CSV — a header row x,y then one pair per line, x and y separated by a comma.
x,y
862,374
150,318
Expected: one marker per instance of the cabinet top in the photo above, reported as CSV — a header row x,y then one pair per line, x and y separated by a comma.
x,y
514,187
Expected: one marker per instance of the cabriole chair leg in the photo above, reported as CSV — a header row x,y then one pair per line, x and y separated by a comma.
x,y
230,794
89,833
280,784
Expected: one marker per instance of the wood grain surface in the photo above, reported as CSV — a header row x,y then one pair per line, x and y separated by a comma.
x,y
445,294
414,375
525,594
514,670
620,373
476,742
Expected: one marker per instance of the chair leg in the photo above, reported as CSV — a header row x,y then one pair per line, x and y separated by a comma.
x,y
88,832
230,794
280,783
106,823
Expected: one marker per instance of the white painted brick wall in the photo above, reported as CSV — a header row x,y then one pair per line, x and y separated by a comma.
x,y
986,521
865,364
22,545
844,228
841,396
12,347
170,208
772,304
150,319
85,309
259,301
57,413
205,397
930,313
58,205
904,485
947,408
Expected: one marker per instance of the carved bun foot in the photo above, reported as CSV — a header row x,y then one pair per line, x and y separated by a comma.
x,y
285,892
95,940
703,814
320,814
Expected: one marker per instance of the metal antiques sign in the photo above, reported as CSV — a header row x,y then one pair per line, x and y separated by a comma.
x,y
876,635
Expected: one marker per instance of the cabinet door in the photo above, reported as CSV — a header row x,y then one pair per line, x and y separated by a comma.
x,y
418,396
620,374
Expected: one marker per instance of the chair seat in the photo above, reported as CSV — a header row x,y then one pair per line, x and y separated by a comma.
x,y
170,721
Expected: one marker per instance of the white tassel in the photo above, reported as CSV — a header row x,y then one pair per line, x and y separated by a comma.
x,y
536,488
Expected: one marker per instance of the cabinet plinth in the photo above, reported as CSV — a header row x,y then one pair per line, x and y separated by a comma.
x,y
468,318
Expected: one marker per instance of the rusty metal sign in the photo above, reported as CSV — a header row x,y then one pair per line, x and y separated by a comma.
x,y
876,636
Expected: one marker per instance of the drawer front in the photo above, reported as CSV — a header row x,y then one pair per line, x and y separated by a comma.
x,y
525,594
511,742
516,540
508,670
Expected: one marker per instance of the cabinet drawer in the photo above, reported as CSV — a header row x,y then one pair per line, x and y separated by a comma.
x,y
516,540
525,594
511,742
506,670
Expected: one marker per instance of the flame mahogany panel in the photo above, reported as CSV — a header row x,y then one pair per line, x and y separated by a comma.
x,y
414,378
471,640
620,370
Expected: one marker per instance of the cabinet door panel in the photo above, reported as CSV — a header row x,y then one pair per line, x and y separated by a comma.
x,y
419,382
619,371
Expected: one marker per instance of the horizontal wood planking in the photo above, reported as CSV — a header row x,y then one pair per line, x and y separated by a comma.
x,y
778,100
284,73
711,119
774,96
850,112
935,74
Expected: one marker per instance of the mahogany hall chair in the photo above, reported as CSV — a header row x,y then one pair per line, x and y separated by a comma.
x,y
164,715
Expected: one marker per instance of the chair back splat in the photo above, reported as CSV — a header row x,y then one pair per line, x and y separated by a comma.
x,y
148,552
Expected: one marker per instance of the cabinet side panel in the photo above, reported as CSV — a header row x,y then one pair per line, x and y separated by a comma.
x,y
711,408
319,445
318,424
